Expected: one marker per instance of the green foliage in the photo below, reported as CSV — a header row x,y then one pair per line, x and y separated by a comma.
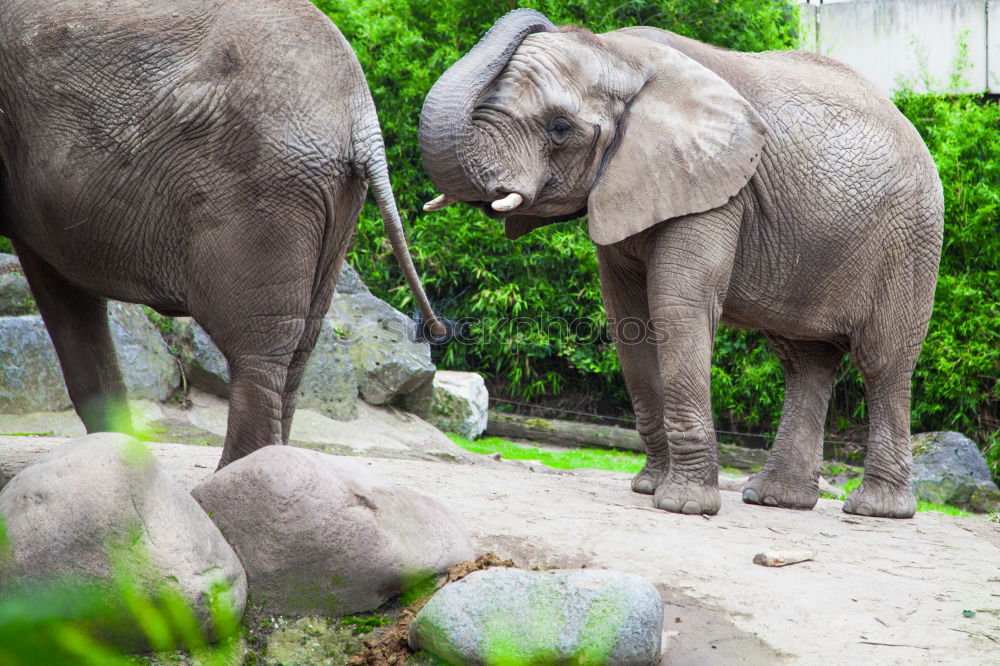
x,y
957,380
5,246
536,301
73,621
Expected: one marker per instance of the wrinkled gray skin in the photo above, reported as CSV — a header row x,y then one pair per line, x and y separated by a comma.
x,y
776,191
203,158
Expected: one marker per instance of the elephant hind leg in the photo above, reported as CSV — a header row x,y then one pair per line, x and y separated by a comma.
x,y
77,323
790,477
341,217
257,380
885,490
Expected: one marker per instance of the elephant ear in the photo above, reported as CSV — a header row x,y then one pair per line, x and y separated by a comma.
x,y
686,142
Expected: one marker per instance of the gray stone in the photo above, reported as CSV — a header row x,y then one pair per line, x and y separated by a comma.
x,y
30,377
102,509
204,365
579,616
460,403
147,366
324,534
15,295
349,282
948,469
387,363
329,384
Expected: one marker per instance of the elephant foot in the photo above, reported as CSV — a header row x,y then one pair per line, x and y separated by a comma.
x,y
769,488
688,497
881,499
648,480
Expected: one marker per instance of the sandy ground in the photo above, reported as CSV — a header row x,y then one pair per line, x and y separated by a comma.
x,y
878,591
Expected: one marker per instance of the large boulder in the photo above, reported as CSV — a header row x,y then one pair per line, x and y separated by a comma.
x,y
949,469
388,364
15,295
459,403
31,379
512,616
322,534
102,509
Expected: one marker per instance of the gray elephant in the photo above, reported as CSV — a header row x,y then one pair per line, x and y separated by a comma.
x,y
777,191
205,158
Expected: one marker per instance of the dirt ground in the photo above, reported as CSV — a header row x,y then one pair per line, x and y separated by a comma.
x,y
878,591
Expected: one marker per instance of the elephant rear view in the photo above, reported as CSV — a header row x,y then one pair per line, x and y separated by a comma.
x,y
778,191
202,157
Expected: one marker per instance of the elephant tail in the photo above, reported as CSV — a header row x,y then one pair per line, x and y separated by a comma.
x,y
372,160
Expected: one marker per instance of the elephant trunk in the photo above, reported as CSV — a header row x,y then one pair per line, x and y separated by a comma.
x,y
445,120
377,174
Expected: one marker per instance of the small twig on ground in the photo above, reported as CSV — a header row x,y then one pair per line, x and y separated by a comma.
x,y
915,647
977,633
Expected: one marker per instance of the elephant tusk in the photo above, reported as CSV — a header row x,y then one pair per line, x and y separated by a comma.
x,y
509,202
439,202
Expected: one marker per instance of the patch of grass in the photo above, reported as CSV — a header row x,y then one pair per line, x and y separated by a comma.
x,y
942,508
364,624
612,460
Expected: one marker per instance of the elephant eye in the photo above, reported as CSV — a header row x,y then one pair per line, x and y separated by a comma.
x,y
560,129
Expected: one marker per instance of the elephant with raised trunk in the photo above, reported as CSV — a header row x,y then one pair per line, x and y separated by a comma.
x,y
203,157
777,191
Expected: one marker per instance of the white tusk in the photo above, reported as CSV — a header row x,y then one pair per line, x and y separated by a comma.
x,y
509,202
439,202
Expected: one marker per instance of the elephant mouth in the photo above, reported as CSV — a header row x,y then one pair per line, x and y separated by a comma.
x,y
486,207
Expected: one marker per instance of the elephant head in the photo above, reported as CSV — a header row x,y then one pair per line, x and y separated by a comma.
x,y
538,124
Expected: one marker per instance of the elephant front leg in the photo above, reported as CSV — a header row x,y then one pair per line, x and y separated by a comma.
x,y
623,288
689,266
692,482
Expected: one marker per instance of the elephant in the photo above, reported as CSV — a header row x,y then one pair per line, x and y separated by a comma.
x,y
775,191
202,157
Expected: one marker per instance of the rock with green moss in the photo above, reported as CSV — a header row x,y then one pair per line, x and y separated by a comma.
x,y
459,403
388,364
948,468
15,295
311,641
512,616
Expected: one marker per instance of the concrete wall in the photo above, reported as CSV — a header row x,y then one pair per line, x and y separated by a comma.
x,y
908,40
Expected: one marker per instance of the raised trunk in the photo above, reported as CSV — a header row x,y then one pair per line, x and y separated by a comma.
x,y
445,127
